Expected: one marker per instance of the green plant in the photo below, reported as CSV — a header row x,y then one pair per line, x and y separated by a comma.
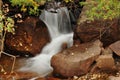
x,y
6,25
69,1
32,6
102,9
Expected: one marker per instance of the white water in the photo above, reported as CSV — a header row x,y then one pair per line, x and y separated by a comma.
x,y
41,63
58,23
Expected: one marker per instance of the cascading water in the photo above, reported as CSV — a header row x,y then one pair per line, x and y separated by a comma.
x,y
59,27
57,21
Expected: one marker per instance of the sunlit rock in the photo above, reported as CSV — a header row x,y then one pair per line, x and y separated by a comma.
x,y
76,60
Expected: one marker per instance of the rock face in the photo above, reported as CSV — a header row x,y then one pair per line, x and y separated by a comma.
x,y
105,63
115,47
30,37
105,30
76,60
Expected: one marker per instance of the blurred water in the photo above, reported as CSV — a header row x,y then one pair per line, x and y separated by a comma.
x,y
57,21
60,31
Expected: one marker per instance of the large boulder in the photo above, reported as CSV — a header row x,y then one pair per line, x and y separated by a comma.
x,y
30,37
105,30
76,60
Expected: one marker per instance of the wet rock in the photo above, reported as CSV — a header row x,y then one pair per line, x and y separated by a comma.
x,y
105,30
30,37
105,63
76,60
64,46
115,47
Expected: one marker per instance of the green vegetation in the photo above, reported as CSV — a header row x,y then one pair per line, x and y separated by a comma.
x,y
102,9
32,6
69,1
6,25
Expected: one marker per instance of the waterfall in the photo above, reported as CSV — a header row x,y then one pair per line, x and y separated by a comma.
x,y
59,27
58,22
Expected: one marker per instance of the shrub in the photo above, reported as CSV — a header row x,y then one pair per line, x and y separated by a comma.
x,y
32,6
6,25
102,9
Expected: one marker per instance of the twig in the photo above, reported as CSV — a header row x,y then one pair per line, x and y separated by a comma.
x,y
102,33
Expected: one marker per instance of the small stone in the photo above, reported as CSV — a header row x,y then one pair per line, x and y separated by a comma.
x,y
75,77
115,47
106,62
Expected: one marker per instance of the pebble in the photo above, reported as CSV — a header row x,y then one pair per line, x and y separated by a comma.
x,y
99,76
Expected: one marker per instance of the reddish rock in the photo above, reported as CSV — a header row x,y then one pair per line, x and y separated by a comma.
x,y
41,79
104,63
64,46
30,37
105,30
115,47
76,60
